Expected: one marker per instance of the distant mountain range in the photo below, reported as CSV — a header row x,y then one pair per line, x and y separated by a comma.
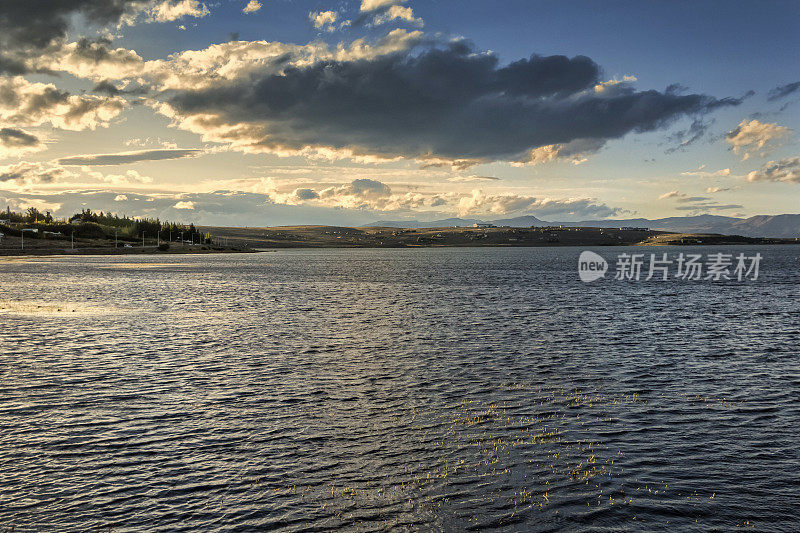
x,y
756,226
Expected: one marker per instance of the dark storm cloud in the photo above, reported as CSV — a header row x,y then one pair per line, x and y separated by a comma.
x,y
128,157
694,133
12,66
442,101
109,89
36,23
783,91
306,194
15,138
546,76
28,26
106,87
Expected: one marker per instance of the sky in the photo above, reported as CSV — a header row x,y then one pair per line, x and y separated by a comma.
x,y
278,112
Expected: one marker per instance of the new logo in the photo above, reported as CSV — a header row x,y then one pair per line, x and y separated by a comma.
x,y
591,266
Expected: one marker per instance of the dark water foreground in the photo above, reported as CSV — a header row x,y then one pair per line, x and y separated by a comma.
x,y
363,390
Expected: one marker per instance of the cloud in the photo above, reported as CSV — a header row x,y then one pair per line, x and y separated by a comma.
x,y
15,142
402,13
130,177
37,24
170,10
714,190
373,195
698,204
429,101
473,178
480,203
33,175
576,151
93,59
701,208
29,28
123,158
121,198
230,208
222,208
23,203
108,88
783,91
755,137
252,6
368,6
305,194
31,104
700,172
786,170
686,199
671,194
321,19
26,174
359,194
694,133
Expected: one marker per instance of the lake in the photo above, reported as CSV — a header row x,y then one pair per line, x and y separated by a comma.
x,y
426,389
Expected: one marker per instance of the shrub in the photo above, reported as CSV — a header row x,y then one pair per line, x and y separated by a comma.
x,y
90,230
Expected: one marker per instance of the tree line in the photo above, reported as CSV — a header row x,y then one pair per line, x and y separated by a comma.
x,y
91,224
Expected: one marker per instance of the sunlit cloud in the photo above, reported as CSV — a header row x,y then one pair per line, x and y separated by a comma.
x,y
252,6
786,170
756,138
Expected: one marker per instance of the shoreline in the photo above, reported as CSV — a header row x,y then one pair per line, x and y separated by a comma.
x,y
284,237
256,240
55,252
68,252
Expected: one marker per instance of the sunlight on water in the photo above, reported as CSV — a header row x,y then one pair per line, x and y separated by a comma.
x,y
147,265
364,390
51,308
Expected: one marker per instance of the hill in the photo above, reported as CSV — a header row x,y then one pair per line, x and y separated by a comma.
x,y
782,226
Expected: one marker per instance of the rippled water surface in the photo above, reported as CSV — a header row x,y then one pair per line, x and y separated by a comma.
x,y
363,390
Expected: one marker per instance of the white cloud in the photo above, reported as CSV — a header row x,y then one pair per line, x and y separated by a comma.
x,y
397,13
121,198
375,5
671,194
472,178
252,6
184,205
577,152
236,60
26,103
321,19
170,10
755,137
50,174
94,60
26,174
130,177
480,203
614,83
702,173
